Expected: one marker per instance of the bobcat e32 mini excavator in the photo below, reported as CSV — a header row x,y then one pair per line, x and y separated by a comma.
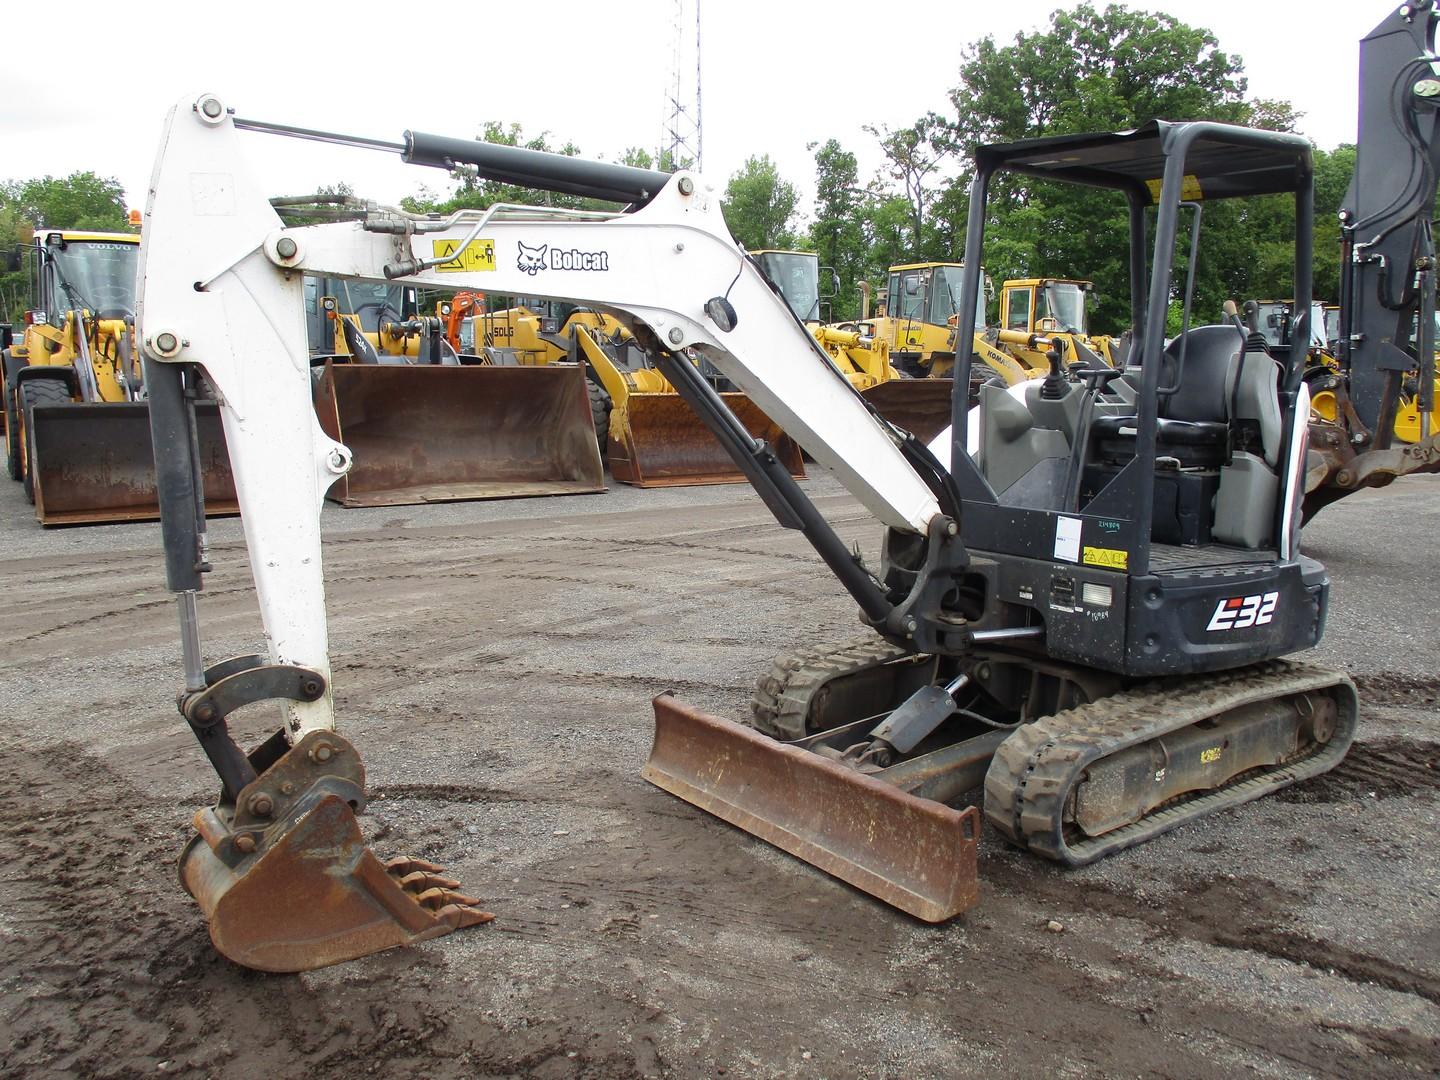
x,y
1086,596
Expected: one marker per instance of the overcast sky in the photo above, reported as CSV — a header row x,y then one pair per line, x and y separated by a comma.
x,y
87,84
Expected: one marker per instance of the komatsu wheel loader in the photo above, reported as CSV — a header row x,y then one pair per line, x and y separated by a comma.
x,y
1088,592
919,405
75,423
1041,314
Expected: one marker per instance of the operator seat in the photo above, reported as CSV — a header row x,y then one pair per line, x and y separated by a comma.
x,y
1193,420
1227,398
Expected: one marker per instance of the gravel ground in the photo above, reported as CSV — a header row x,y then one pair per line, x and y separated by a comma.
x,y
493,663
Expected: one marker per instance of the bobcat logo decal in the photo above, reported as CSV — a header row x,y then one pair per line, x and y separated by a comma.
x,y
531,259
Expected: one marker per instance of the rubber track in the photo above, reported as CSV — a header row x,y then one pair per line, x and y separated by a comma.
x,y
1035,770
783,695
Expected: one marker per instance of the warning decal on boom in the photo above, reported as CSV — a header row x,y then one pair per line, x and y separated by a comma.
x,y
477,255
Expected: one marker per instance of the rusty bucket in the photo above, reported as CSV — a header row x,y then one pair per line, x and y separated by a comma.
x,y
432,433
920,406
912,853
95,463
287,882
660,442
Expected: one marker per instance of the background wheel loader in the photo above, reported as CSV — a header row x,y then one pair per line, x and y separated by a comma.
x,y
1040,314
428,423
919,405
76,431
1097,638
649,436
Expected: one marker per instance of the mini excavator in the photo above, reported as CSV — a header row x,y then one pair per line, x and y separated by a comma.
x,y
1089,592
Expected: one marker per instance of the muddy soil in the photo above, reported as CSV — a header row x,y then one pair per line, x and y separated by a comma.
x,y
494,663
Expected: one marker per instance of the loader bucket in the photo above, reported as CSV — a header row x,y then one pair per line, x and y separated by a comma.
x,y
920,406
435,433
660,442
95,463
310,893
912,853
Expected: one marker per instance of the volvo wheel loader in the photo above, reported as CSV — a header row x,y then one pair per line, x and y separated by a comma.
x,y
1090,616
76,429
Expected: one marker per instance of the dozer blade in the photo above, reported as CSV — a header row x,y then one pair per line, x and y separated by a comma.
x,y
920,406
912,853
438,433
300,889
95,463
662,443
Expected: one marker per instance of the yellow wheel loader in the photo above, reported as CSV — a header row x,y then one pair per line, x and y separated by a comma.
x,y
429,423
649,436
919,311
1038,315
918,303
76,430
919,405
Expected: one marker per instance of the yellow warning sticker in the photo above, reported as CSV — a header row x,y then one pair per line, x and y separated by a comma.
x,y
1189,188
1110,558
478,255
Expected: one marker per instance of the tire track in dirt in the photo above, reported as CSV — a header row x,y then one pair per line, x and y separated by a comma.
x,y
1379,768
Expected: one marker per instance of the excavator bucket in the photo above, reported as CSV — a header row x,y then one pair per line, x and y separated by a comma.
x,y
660,442
913,853
301,889
95,463
920,406
439,433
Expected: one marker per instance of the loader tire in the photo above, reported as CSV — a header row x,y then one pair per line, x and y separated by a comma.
x,y
599,413
38,392
12,436
13,364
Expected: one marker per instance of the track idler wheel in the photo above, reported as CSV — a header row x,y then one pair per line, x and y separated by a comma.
x,y
287,882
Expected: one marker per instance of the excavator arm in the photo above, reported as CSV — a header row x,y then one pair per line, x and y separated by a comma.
x,y
221,297
1387,267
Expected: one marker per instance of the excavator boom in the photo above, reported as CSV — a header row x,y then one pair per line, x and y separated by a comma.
x,y
277,864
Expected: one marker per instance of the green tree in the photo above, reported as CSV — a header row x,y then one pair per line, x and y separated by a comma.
x,y
913,156
837,233
759,206
82,200
1112,69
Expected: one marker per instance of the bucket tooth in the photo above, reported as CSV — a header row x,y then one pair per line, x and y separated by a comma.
x,y
660,442
913,853
306,891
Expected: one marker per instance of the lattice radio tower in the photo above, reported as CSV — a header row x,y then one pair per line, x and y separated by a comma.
x,y
681,143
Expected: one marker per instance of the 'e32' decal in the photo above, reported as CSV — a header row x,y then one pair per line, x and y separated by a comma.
x,y
1242,612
